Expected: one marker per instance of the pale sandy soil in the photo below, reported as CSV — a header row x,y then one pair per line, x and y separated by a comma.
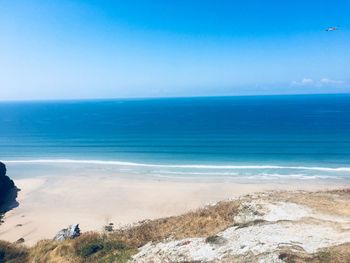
x,y
48,204
268,225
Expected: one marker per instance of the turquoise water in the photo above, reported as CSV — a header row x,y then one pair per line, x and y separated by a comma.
x,y
257,137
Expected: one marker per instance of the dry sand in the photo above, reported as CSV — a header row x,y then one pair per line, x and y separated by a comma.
x,y
48,204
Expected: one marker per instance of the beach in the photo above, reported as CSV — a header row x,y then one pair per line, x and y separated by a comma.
x,y
174,131
49,203
96,162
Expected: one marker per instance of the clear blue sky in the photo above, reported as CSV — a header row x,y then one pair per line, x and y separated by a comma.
x,y
104,49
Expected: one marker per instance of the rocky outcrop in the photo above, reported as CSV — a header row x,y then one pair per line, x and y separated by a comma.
x,y
266,225
71,232
8,191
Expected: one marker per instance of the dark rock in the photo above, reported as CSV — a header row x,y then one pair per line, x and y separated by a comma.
x,y
109,228
8,191
183,243
216,240
71,232
20,241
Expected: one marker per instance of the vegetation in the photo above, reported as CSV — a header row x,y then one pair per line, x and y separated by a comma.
x,y
199,223
336,254
102,248
12,253
120,245
89,247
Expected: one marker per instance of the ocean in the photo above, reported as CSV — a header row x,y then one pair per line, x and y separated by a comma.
x,y
259,138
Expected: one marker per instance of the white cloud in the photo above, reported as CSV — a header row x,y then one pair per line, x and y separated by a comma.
x,y
303,82
331,81
306,81
309,82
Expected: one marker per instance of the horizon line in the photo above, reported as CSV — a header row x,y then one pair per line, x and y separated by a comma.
x,y
168,97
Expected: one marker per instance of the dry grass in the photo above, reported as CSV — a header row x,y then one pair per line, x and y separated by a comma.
x,y
336,254
322,201
120,245
203,222
89,247
12,253
50,251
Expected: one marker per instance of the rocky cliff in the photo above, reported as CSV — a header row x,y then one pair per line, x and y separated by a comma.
x,y
8,191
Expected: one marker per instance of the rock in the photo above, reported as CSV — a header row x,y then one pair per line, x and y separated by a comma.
x,y
71,232
250,211
268,228
216,240
8,191
20,241
109,228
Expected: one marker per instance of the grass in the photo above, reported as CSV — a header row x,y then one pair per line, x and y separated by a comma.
x,y
12,253
120,245
102,248
335,254
89,247
203,222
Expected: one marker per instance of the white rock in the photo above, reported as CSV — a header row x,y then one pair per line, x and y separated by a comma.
x,y
71,232
288,224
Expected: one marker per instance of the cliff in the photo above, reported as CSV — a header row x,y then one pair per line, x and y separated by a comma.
x,y
8,191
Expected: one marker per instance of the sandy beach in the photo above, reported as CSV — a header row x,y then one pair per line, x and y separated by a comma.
x,y
50,203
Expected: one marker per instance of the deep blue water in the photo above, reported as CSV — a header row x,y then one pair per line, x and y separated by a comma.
x,y
289,131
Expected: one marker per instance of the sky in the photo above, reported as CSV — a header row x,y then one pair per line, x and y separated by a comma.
x,y
114,49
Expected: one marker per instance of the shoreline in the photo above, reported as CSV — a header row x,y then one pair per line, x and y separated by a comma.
x,y
241,165
50,203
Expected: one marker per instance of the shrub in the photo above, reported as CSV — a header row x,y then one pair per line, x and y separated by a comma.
x,y
90,248
12,253
92,245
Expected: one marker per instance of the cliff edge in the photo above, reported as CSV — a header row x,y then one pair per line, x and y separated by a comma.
x,y
8,191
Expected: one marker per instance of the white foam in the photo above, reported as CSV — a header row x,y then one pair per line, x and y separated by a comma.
x,y
228,176
195,173
120,163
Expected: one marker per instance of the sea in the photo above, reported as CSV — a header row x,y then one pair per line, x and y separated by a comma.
x,y
240,138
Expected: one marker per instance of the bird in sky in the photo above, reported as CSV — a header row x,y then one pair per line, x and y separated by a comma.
x,y
334,28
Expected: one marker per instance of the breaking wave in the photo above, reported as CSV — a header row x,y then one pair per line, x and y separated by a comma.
x,y
200,166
